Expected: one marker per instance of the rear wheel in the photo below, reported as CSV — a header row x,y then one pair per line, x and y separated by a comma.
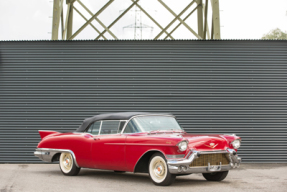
x,y
216,176
67,165
158,170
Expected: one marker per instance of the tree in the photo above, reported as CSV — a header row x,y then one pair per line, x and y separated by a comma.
x,y
275,34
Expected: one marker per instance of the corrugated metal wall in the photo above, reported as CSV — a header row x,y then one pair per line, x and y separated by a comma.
x,y
211,86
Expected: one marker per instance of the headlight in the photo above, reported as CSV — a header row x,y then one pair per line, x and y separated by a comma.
x,y
236,144
182,146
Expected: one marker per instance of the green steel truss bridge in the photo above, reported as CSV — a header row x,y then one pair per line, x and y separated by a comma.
x,y
204,30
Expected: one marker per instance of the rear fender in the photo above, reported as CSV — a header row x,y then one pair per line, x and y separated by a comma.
x,y
44,133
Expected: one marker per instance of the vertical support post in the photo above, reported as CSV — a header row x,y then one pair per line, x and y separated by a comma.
x,y
57,8
70,21
207,28
212,29
200,18
62,23
205,18
216,19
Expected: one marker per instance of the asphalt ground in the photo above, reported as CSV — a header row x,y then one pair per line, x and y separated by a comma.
x,y
48,177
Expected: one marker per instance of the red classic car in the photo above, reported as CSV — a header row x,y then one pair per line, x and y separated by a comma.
x,y
140,142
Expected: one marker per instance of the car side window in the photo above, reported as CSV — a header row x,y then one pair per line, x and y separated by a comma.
x,y
94,128
110,127
130,128
121,126
90,129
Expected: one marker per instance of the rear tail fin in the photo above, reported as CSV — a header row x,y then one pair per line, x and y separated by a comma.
x,y
46,133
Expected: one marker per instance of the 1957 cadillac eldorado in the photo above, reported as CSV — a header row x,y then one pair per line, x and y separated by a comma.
x,y
140,142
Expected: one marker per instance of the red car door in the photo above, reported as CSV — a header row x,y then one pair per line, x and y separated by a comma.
x,y
108,148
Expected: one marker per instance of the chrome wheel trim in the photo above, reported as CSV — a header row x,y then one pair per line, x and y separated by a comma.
x,y
158,169
66,162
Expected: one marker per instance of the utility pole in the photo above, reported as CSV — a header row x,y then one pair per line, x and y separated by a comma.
x,y
138,25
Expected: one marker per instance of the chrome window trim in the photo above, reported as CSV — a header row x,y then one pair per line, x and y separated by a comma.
x,y
123,126
100,128
144,116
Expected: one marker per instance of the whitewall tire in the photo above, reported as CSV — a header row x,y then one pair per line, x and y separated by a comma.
x,y
67,164
158,170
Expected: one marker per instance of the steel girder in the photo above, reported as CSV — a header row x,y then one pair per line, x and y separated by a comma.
x,y
202,7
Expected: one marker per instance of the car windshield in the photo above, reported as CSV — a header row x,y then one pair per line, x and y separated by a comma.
x,y
153,123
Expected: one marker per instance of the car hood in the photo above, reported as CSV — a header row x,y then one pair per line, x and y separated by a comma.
x,y
206,142
201,142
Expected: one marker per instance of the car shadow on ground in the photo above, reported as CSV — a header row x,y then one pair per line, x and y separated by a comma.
x,y
141,177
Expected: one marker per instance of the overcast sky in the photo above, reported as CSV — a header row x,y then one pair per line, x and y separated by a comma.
x,y
240,19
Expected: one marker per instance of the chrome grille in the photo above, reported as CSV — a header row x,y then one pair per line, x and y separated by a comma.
x,y
213,159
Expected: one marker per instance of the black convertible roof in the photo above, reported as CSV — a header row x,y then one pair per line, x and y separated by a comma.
x,y
111,116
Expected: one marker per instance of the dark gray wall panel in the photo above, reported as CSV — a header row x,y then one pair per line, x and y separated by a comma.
x,y
211,86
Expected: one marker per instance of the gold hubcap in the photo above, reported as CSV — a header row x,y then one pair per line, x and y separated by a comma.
x,y
159,169
66,162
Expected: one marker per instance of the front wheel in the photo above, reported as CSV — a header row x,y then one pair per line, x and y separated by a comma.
x,y
67,165
158,171
216,176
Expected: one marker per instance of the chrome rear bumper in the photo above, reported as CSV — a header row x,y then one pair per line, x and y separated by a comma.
x,y
182,166
47,155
